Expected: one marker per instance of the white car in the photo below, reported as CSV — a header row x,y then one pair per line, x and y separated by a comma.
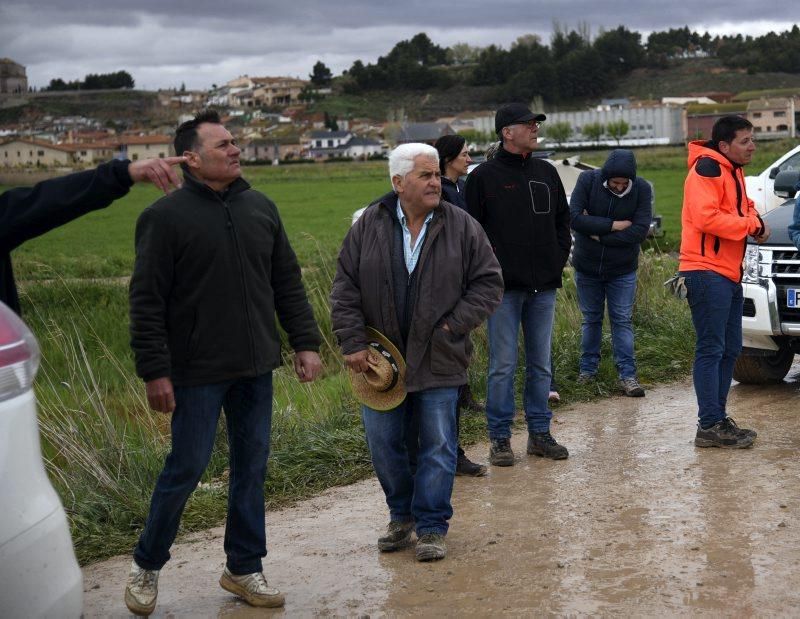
x,y
39,574
760,188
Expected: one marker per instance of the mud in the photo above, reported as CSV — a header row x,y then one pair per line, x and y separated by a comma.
x,y
638,522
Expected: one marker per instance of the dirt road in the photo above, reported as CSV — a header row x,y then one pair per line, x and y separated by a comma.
x,y
638,522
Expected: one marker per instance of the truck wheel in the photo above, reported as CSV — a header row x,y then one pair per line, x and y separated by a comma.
x,y
760,369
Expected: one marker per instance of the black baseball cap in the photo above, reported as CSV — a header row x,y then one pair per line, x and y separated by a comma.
x,y
514,113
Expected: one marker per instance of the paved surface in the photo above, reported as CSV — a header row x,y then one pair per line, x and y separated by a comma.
x,y
638,522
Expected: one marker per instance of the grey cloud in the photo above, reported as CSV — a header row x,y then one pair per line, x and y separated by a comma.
x,y
207,42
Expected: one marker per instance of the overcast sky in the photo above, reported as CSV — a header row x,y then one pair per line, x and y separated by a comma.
x,y
164,43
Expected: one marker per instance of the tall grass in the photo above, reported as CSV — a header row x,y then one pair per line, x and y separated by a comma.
x,y
104,448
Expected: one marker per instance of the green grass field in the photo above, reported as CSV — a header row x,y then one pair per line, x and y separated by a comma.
x,y
105,448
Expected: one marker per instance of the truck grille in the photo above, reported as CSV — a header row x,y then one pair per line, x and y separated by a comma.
x,y
785,270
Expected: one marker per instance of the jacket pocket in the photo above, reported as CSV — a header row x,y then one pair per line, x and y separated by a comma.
x,y
449,354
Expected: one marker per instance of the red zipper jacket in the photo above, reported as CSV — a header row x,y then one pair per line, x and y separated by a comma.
x,y
717,215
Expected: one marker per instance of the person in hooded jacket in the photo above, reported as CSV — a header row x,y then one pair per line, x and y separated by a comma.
x,y
716,219
454,161
611,209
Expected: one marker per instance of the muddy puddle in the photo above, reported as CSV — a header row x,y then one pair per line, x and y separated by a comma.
x,y
638,522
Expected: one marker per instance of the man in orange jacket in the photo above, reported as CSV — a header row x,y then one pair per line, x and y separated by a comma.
x,y
716,220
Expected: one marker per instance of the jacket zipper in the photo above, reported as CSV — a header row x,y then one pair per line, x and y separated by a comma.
x,y
243,280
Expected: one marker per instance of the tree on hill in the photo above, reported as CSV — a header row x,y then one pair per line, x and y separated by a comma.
x,y
99,81
559,132
620,50
321,75
462,53
594,131
617,129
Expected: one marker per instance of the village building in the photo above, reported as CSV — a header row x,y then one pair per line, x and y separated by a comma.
x,y
12,77
25,152
135,147
773,117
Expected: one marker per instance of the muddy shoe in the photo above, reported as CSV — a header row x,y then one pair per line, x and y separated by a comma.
x,y
725,434
543,444
584,378
431,547
468,468
142,590
500,453
252,588
398,535
631,387
553,396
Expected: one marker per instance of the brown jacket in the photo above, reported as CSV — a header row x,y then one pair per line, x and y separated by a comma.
x,y
458,280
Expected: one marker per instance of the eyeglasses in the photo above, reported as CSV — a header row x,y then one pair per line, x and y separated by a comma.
x,y
530,123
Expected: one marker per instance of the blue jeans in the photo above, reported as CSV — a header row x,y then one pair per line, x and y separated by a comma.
x,y
248,415
534,311
422,497
716,305
593,293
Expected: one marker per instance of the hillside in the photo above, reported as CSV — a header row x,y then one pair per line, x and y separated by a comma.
x,y
108,106
686,77
696,75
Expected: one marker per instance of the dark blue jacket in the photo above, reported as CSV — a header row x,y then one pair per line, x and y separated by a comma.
x,y
454,192
612,253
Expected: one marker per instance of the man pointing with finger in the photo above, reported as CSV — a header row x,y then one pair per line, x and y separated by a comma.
x,y
213,268
28,212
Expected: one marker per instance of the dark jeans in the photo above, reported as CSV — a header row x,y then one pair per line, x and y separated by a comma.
x,y
421,495
716,305
619,293
248,415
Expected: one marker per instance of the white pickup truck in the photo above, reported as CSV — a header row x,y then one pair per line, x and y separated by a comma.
x,y
760,188
771,287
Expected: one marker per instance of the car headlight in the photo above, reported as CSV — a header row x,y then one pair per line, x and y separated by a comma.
x,y
750,264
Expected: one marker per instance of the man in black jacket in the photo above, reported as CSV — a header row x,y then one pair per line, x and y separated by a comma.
x,y
28,212
521,204
213,267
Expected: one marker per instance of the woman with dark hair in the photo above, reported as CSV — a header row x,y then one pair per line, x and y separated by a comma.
x,y
454,162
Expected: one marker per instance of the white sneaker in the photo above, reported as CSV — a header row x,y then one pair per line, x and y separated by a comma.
x,y
142,590
252,588
554,396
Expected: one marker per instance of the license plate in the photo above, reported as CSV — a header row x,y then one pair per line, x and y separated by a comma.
x,y
792,297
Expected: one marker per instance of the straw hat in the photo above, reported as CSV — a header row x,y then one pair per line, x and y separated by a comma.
x,y
383,386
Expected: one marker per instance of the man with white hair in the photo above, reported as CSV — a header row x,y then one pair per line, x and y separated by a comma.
x,y
421,272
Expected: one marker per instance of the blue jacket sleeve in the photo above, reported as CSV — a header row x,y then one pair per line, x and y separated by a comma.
x,y
28,212
590,225
636,233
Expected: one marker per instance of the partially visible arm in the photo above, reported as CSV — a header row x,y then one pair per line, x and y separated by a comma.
x,y
562,221
150,287
701,198
160,172
581,221
291,302
347,318
636,233
473,196
484,284
28,212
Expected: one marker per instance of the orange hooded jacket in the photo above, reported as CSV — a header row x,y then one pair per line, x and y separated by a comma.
x,y
717,215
